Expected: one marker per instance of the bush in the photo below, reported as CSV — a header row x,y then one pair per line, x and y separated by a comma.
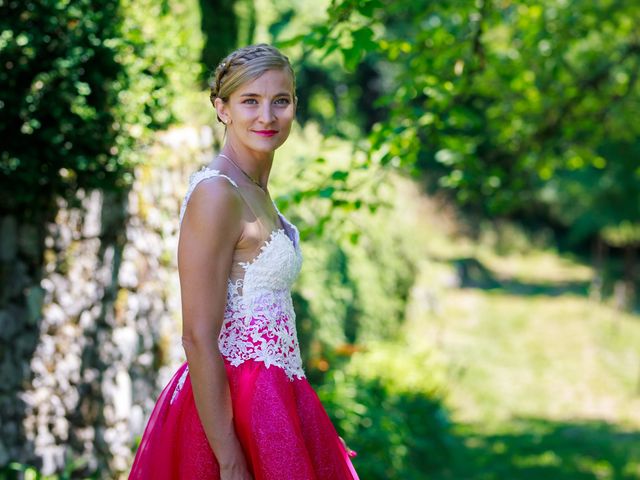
x,y
83,84
388,405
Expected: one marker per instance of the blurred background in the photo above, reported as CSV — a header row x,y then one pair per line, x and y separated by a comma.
x,y
466,179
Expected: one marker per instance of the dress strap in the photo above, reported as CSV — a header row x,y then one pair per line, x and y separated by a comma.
x,y
195,178
205,173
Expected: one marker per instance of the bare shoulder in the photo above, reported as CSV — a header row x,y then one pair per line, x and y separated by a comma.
x,y
215,206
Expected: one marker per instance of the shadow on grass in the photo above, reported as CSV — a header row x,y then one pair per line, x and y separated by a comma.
x,y
535,449
471,273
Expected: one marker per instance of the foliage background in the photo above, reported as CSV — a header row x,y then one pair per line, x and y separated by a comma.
x,y
518,120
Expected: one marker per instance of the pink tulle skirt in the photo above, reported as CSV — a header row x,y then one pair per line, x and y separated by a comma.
x,y
281,424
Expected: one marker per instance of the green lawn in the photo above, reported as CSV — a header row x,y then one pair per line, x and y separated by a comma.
x,y
542,381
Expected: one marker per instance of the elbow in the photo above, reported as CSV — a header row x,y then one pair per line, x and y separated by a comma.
x,y
196,341
188,342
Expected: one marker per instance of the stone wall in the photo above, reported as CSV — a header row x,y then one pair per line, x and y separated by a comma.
x,y
90,317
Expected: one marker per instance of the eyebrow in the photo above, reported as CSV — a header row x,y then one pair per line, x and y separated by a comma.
x,y
281,94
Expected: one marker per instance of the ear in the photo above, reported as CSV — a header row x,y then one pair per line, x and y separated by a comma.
x,y
222,111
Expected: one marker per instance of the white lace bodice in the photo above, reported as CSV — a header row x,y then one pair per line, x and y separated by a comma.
x,y
259,319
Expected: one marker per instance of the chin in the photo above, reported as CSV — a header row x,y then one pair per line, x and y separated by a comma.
x,y
267,147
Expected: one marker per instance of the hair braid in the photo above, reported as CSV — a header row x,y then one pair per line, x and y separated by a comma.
x,y
246,64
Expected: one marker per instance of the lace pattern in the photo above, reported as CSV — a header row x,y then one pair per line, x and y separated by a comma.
x,y
259,320
179,385
259,317
195,178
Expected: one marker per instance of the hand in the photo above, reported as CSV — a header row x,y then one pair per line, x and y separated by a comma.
x,y
235,471
234,466
351,453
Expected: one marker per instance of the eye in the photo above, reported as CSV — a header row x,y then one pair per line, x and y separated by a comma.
x,y
250,101
283,101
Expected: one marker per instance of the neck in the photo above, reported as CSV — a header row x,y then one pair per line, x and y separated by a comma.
x,y
255,164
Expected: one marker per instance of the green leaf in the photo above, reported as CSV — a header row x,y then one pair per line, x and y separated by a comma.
x,y
352,57
363,39
326,192
340,175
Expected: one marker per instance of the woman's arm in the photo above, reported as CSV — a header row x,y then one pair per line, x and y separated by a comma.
x,y
210,229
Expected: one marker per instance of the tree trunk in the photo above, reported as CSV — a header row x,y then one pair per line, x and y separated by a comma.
x,y
21,299
630,260
598,255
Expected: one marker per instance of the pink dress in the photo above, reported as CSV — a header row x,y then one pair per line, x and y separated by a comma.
x,y
282,426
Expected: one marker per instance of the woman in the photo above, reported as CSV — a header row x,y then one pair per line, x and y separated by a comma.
x,y
241,408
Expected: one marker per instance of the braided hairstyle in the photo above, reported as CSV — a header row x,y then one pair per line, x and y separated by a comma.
x,y
245,65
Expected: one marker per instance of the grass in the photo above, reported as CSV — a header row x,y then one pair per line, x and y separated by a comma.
x,y
528,448
542,381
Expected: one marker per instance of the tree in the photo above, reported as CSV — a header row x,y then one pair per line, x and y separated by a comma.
x,y
83,85
515,108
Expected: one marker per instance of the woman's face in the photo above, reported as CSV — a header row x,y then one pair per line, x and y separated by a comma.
x,y
259,114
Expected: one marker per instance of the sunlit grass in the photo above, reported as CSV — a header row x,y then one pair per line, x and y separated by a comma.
x,y
542,380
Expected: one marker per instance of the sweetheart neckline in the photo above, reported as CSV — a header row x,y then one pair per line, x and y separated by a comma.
x,y
269,240
265,245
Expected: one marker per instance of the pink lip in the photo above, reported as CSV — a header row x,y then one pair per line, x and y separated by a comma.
x,y
266,133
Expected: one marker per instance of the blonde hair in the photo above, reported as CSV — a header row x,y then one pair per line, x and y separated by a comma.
x,y
245,65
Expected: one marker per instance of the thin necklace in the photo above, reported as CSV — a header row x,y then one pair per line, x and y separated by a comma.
x,y
245,173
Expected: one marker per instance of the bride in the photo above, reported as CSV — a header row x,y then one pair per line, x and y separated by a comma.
x,y
241,407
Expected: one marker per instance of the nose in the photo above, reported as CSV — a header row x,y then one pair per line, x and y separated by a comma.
x,y
266,113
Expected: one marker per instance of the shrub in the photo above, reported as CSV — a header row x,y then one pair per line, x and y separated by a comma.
x,y
388,405
83,84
